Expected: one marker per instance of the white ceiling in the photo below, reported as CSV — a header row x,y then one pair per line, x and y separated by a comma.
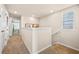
x,y
34,9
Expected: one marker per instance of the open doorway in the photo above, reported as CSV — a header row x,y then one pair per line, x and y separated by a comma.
x,y
16,25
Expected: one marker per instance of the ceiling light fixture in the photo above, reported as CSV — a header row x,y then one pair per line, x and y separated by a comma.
x,y
15,12
31,18
51,11
1,8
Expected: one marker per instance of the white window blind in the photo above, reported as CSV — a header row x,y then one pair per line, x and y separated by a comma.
x,y
68,20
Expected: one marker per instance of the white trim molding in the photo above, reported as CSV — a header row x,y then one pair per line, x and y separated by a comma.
x,y
44,48
66,45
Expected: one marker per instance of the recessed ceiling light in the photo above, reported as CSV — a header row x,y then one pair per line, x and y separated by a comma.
x,y
15,12
1,8
51,11
31,18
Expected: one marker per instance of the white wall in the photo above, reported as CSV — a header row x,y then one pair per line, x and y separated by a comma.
x,y
2,18
3,27
10,26
27,38
24,20
43,38
68,37
28,20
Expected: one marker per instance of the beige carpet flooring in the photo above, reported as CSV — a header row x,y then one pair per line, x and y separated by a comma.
x,y
15,45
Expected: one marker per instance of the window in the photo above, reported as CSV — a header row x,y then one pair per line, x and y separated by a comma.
x,y
68,20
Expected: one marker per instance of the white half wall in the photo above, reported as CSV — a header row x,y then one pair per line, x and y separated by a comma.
x,y
36,39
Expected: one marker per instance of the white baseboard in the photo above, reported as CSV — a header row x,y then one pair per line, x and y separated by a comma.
x,y
29,50
27,46
44,48
38,51
66,45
